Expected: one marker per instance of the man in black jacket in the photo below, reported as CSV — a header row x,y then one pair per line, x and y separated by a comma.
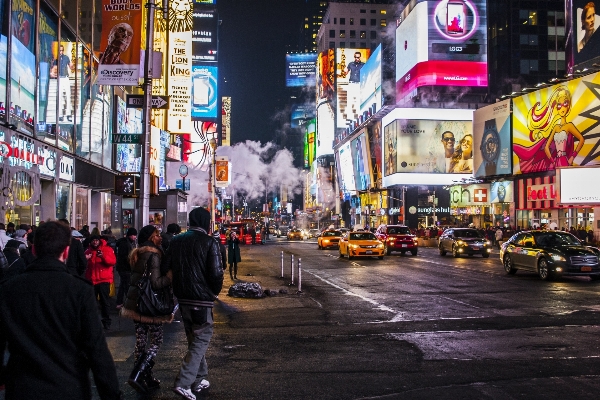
x,y
124,247
195,261
76,261
50,321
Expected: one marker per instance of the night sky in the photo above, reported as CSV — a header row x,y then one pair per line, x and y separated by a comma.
x,y
252,45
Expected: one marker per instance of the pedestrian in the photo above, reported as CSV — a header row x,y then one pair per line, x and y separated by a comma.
x,y
222,249
76,261
499,235
28,255
21,236
252,232
48,318
101,260
172,230
590,237
16,264
10,229
124,247
148,329
85,231
3,236
233,254
86,241
195,261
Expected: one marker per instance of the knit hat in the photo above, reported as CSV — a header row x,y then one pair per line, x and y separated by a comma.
x,y
20,233
131,232
145,233
76,234
200,217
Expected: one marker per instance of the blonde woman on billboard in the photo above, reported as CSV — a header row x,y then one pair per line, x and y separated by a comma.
x,y
588,19
462,160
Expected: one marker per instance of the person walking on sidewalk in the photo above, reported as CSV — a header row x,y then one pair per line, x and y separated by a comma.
x,y
233,254
499,235
195,261
50,322
125,246
101,260
148,329
222,248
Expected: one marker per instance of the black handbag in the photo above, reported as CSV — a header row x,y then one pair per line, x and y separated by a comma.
x,y
153,303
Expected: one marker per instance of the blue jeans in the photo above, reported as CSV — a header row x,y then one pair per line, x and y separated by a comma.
x,y
198,323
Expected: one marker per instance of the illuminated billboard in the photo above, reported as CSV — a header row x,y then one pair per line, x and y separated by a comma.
x,y
204,35
326,75
360,162
128,120
301,69
557,126
376,150
441,43
370,82
572,192
346,171
325,129
204,91
311,137
349,62
301,114
584,21
225,121
491,140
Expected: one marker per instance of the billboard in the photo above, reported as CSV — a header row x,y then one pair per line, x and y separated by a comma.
x,y
120,43
128,120
585,44
502,192
325,128
345,170
370,82
204,35
349,62
441,43
491,140
557,126
204,91
360,162
376,150
300,69
326,75
572,192
225,121
301,114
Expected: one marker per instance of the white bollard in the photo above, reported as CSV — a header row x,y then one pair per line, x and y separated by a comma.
x,y
281,264
299,275
292,268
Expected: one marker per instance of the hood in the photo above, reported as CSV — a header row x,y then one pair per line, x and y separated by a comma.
x,y
572,250
200,217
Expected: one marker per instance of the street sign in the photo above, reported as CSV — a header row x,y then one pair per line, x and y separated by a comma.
x,y
137,101
128,138
183,184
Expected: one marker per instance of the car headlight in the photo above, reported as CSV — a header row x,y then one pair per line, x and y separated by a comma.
x,y
487,243
380,246
325,241
557,257
460,243
354,246
415,240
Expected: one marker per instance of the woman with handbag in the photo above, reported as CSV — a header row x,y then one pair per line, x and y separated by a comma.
x,y
233,254
145,268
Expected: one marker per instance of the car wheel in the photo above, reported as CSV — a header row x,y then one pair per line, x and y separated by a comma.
x,y
320,248
380,257
543,270
595,277
402,253
509,267
348,254
341,255
442,251
414,252
485,255
387,250
455,253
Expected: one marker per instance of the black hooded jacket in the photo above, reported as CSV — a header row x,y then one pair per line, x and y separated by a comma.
x,y
195,259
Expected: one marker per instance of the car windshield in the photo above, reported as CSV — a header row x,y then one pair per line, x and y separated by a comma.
x,y
398,231
332,233
555,239
467,233
362,236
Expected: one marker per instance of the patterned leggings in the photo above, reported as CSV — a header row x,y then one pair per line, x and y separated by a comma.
x,y
148,338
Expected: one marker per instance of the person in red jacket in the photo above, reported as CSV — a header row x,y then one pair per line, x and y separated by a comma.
x,y
101,260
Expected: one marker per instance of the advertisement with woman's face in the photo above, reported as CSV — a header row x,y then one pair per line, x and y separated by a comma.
x,y
585,22
360,162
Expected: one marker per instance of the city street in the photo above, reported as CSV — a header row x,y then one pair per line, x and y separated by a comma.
x,y
403,327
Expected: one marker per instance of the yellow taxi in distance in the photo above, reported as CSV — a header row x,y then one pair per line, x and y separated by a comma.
x,y
361,244
329,238
295,234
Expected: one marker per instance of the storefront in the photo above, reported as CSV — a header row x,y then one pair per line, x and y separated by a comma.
x,y
482,205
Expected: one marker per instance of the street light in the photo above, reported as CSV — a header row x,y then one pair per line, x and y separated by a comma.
x,y
213,218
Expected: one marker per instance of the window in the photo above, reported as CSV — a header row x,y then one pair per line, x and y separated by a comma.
x,y
335,20
332,33
528,17
342,33
363,45
342,44
363,21
363,34
342,21
528,40
373,22
363,11
351,21
373,35
384,12
352,44
383,22
332,45
352,34
529,66
373,11
556,66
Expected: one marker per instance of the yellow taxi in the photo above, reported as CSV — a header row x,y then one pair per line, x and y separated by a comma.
x,y
329,238
295,234
361,244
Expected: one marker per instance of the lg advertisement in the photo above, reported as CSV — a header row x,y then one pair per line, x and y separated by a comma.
x,y
370,82
441,43
557,126
491,140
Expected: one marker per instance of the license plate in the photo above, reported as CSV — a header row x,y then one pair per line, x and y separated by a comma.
x,y
404,245
586,269
475,247
369,252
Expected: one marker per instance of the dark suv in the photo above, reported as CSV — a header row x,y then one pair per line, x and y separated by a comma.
x,y
397,238
550,254
464,241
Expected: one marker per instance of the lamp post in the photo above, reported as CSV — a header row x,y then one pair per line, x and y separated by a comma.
x,y
213,218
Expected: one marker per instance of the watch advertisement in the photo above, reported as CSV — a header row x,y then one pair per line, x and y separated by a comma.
x,y
491,140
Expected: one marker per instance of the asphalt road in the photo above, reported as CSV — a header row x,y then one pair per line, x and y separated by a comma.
x,y
400,328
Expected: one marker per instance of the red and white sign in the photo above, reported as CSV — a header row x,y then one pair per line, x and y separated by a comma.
x,y
480,195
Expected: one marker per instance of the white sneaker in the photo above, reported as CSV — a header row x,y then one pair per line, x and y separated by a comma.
x,y
185,393
203,385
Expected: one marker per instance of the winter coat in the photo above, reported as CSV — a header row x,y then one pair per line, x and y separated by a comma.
x,y
100,269
50,320
195,260
76,262
223,251
233,251
124,249
15,266
3,238
146,256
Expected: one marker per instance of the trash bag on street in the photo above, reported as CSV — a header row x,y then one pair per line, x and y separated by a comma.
x,y
249,290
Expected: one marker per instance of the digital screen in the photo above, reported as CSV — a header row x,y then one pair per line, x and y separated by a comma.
x,y
326,75
301,69
491,140
325,129
441,43
205,34
585,22
570,189
349,63
557,127
204,91
370,82
347,184
360,162
301,114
